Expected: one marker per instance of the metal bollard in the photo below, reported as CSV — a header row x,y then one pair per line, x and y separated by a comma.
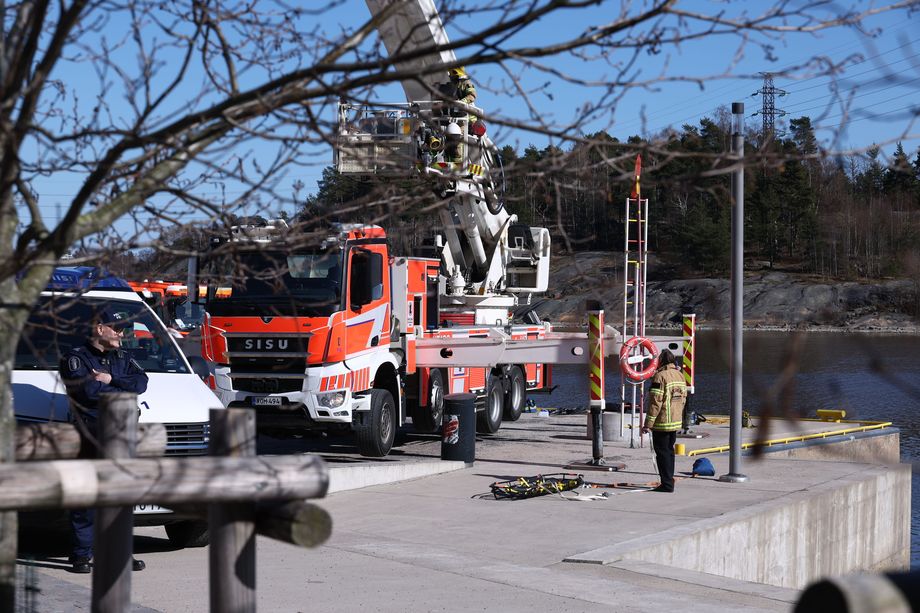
x,y
458,433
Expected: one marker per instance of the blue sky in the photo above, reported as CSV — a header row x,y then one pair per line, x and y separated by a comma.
x,y
877,89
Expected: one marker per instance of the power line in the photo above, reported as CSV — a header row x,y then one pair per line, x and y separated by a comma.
x,y
685,102
855,96
794,88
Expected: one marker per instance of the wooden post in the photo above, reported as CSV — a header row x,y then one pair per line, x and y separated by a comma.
x,y
114,526
170,482
232,525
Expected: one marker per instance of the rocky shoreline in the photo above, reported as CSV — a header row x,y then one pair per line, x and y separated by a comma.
x,y
773,300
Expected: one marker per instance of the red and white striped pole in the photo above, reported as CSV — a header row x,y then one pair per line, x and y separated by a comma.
x,y
596,378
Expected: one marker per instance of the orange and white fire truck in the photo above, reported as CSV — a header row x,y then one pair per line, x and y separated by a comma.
x,y
326,336
334,331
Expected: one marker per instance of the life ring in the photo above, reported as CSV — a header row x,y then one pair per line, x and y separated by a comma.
x,y
630,372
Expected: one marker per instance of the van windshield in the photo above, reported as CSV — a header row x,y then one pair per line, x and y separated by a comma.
x,y
61,322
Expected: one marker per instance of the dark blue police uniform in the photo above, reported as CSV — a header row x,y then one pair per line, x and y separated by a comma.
x,y
76,370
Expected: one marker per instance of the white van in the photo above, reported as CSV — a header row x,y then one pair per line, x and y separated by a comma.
x,y
176,396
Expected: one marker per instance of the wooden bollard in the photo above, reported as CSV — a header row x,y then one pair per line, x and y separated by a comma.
x,y
296,522
114,526
232,552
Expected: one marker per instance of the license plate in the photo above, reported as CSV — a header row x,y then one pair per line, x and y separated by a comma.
x,y
267,401
144,509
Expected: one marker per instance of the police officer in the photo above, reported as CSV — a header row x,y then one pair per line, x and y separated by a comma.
x,y
97,367
668,394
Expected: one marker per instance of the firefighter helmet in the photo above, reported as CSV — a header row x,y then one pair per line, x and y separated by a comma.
x,y
457,73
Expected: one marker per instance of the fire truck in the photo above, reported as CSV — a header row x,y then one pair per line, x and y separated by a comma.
x,y
331,330
170,301
325,335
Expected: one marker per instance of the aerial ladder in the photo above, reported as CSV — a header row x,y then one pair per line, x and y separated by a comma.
x,y
491,262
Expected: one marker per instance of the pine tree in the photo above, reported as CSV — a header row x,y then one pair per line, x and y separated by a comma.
x,y
899,178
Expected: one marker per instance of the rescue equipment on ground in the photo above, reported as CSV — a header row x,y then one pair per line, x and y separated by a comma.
x,y
531,487
632,373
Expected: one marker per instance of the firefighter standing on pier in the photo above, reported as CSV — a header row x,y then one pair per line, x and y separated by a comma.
x,y
668,395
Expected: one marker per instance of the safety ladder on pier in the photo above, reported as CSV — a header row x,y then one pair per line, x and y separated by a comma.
x,y
635,264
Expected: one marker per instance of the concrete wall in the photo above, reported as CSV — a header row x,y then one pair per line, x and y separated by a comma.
x,y
858,523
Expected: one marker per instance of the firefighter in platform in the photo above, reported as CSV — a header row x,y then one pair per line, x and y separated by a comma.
x,y
460,88
97,367
668,395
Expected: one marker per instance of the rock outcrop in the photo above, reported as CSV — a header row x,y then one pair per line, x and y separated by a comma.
x,y
771,299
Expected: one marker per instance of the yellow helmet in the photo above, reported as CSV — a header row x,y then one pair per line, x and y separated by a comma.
x,y
457,73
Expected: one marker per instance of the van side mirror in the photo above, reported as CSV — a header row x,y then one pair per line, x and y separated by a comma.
x,y
366,272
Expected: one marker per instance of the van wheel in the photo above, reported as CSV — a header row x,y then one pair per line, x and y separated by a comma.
x,y
184,534
489,420
516,394
428,419
377,431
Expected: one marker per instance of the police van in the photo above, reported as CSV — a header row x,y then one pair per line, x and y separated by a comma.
x,y
176,395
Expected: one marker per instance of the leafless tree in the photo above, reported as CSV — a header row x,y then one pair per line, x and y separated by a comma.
x,y
144,115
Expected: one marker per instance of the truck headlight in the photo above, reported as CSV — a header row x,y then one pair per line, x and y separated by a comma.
x,y
332,400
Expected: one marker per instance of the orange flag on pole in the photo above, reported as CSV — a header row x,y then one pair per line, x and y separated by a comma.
x,y
635,192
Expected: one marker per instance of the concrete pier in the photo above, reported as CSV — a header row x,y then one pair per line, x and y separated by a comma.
x,y
440,540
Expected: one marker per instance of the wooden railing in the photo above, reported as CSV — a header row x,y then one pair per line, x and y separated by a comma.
x,y
239,494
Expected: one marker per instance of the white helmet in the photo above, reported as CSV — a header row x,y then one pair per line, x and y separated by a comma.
x,y
453,131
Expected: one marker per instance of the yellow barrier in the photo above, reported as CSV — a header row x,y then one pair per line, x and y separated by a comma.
x,y
867,425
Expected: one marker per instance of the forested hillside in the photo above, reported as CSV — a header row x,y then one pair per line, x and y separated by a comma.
x,y
848,217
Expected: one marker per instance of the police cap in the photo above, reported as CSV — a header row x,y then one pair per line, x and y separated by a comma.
x,y
108,316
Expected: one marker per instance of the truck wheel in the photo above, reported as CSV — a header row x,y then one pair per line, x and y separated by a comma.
x,y
184,534
378,430
489,420
516,394
428,419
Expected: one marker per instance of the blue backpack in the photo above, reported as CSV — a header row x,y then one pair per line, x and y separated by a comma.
x,y
703,467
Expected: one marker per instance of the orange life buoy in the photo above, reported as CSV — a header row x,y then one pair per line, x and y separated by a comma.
x,y
630,372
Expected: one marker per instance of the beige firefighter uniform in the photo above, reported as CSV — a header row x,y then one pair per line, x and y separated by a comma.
x,y
668,395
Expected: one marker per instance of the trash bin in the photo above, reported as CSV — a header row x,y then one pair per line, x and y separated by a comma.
x,y
458,433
